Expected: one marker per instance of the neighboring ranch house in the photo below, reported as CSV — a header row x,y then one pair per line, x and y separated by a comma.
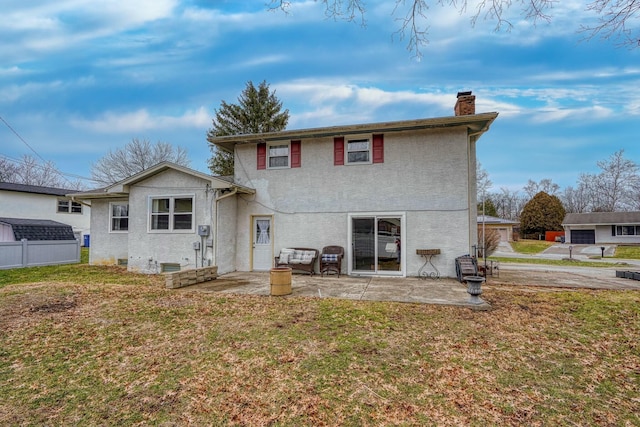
x,y
504,227
602,227
382,191
44,203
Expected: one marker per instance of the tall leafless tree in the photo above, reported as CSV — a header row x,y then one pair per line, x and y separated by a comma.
x,y
135,157
547,185
612,189
8,170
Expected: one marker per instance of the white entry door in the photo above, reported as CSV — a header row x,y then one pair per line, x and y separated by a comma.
x,y
262,247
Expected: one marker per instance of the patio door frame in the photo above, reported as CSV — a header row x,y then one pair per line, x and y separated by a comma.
x,y
403,245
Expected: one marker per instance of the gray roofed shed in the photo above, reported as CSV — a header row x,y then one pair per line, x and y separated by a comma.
x,y
38,229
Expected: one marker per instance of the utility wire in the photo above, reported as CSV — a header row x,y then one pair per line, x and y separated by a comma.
x,y
63,175
21,138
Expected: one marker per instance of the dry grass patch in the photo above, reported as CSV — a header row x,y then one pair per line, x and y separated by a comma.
x,y
87,354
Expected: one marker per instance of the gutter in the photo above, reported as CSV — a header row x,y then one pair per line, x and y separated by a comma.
x,y
73,199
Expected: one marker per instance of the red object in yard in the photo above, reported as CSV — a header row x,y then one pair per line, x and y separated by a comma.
x,y
553,236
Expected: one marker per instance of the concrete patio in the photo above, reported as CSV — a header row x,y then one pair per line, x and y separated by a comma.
x,y
444,291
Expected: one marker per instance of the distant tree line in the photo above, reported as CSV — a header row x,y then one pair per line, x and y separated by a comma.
x,y
541,206
29,171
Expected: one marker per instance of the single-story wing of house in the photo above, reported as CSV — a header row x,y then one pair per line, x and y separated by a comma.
x,y
385,192
602,227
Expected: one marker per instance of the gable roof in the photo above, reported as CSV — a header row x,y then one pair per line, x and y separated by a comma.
x,y
34,189
39,229
487,219
601,218
121,189
476,125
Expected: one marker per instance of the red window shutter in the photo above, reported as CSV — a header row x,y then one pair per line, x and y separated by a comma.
x,y
378,148
262,156
338,151
296,155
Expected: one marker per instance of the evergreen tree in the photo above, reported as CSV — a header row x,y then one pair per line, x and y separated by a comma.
x,y
258,111
489,208
542,213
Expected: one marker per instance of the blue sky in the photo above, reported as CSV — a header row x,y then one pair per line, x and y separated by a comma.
x,y
79,78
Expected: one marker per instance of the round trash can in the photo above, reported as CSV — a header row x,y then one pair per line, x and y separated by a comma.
x,y
280,281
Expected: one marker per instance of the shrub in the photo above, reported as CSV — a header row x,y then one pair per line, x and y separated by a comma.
x,y
491,241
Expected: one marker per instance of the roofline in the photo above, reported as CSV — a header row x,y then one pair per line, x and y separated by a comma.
x,y
476,124
34,189
121,189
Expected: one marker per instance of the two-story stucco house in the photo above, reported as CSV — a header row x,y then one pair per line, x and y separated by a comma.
x,y
382,191
34,202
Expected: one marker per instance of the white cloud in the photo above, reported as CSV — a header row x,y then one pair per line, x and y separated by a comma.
x,y
142,120
545,115
51,26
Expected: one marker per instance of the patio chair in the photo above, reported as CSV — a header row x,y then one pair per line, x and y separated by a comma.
x,y
331,259
466,265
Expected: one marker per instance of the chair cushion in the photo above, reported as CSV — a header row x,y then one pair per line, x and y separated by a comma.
x,y
307,257
329,257
285,255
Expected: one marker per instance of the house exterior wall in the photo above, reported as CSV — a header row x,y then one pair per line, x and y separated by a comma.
x,y
225,245
148,250
15,204
106,247
428,177
603,235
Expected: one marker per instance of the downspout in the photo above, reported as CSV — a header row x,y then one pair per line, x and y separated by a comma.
x,y
215,224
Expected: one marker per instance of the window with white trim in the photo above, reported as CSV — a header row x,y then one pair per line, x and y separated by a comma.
x,y
627,230
68,206
358,150
278,155
173,213
119,217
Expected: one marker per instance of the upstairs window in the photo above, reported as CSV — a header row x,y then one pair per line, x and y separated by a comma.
x,y
278,156
171,213
358,151
281,155
119,213
67,206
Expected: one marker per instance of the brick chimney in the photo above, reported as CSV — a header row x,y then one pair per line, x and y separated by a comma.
x,y
466,104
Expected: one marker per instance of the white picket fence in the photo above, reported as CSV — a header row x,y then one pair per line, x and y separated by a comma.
x,y
31,253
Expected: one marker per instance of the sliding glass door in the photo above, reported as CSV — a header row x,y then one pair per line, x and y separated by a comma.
x,y
376,244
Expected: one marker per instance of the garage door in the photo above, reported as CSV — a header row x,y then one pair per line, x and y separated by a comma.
x,y
583,237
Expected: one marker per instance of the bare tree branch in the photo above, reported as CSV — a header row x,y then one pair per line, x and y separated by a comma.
x,y
617,17
135,157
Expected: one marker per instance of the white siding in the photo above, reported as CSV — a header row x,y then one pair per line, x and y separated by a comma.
x,y
15,204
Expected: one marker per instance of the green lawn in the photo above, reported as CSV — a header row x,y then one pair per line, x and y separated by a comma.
x,y
530,247
97,346
627,252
